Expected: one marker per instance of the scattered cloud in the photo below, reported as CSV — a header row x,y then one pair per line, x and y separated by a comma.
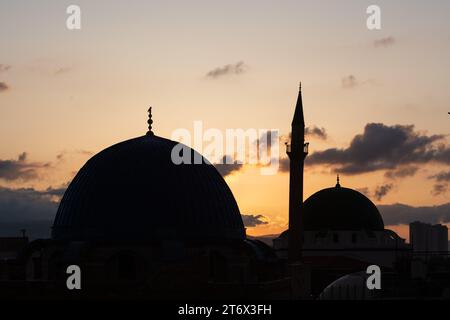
x,y
396,214
382,147
4,67
229,69
384,42
20,169
442,180
62,70
441,176
251,220
382,191
402,172
349,82
3,87
228,166
63,154
365,191
439,188
316,132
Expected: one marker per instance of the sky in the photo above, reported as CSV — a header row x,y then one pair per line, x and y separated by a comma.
x,y
379,97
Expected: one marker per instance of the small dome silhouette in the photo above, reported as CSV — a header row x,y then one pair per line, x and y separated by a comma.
x,y
341,208
133,191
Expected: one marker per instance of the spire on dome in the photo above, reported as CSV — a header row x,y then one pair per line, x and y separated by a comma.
x,y
338,185
150,121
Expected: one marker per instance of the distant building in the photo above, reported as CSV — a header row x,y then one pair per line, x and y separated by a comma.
x,y
428,238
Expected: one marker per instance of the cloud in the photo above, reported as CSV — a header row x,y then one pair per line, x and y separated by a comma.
x,y
4,67
316,132
384,42
439,188
29,209
61,156
251,220
228,166
401,172
382,191
229,69
62,70
441,176
20,169
3,87
396,214
442,179
364,190
382,147
349,82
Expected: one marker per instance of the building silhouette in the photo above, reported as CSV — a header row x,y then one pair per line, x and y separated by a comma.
x,y
140,226
428,239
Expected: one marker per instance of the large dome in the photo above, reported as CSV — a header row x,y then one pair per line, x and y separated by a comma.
x,y
341,208
133,191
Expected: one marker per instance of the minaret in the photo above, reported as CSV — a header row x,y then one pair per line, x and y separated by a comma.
x,y
297,151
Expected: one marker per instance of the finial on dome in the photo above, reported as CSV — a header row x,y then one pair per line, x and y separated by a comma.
x,y
300,86
338,185
150,121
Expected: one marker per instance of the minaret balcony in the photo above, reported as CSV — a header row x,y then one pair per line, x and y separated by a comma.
x,y
306,148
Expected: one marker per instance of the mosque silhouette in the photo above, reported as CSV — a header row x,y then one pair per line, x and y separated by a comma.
x,y
140,226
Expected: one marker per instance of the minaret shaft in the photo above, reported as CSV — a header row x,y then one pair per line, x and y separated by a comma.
x,y
297,152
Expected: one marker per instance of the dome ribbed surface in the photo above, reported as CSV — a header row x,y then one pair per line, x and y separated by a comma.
x,y
133,191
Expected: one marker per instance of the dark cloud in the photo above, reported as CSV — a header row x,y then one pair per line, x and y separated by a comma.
x,y
364,191
442,180
229,69
251,220
316,132
20,169
383,147
4,67
56,192
23,156
29,209
3,87
441,176
349,82
382,191
439,188
384,42
228,166
396,214
401,172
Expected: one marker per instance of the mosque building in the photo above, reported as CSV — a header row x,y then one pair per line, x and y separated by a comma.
x,y
139,225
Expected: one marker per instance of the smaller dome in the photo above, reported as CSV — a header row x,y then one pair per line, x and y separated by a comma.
x,y
349,287
341,208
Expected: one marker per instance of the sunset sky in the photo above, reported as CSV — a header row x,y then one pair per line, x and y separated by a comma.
x,y
65,95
